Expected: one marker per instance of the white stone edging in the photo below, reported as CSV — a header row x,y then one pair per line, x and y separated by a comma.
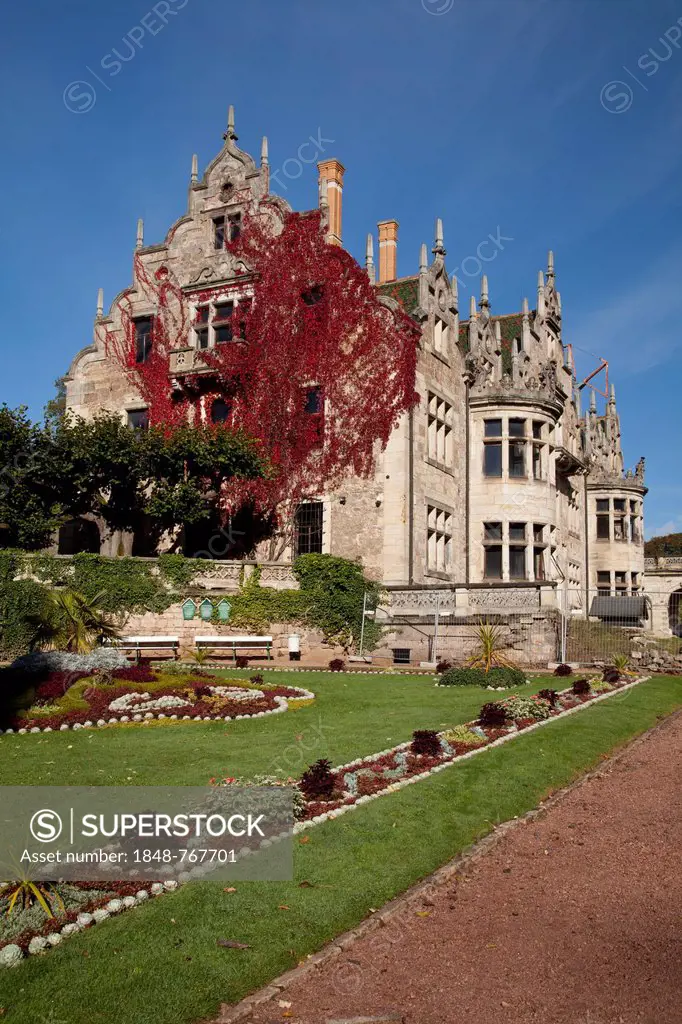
x,y
12,955
138,719
300,826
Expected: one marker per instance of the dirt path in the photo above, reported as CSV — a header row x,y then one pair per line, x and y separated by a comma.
x,y
574,918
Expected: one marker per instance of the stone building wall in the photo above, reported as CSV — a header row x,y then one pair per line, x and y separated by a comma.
x,y
420,519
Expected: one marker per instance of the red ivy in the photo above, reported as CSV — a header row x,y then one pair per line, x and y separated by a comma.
x,y
315,321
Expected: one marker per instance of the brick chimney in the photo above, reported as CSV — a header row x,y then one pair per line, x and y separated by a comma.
x,y
331,172
388,250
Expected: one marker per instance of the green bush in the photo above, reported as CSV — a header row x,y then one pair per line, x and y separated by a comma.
x,y
22,604
335,588
506,677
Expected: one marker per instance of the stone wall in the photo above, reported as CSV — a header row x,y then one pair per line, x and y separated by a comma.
x,y
171,623
532,638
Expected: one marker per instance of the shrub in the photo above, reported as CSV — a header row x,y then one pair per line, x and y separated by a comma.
x,y
611,675
443,666
506,677
551,696
201,690
493,715
63,661
581,687
425,741
257,679
317,782
563,670
337,665
462,734
518,707
621,662
22,605
242,661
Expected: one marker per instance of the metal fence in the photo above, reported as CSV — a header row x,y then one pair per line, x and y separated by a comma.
x,y
585,628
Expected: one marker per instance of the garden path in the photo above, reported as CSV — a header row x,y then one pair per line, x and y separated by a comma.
x,y
571,918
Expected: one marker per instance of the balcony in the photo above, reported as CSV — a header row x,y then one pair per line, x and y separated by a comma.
x,y
186,360
568,462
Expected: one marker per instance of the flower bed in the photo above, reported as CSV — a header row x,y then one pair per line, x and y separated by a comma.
x,y
368,777
138,695
83,904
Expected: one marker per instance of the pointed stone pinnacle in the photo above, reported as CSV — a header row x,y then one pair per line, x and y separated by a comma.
x,y
423,257
139,241
264,152
485,301
195,168
100,301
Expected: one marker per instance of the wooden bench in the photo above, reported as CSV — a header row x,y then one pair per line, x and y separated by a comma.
x,y
234,643
137,644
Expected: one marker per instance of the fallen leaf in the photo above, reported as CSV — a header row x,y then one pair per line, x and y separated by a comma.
x,y
306,885
491,945
231,888
423,913
283,1003
304,839
283,906
231,944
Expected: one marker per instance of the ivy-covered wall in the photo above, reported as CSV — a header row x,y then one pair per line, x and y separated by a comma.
x,y
330,598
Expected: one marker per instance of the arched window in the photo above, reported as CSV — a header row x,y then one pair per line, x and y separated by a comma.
x,y
220,411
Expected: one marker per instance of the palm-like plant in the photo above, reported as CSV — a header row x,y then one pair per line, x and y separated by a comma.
x,y
23,893
489,650
76,623
621,662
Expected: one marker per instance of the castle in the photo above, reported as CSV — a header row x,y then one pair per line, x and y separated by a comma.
x,y
498,491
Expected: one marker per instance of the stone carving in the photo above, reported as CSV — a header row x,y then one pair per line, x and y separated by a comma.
x,y
422,601
504,600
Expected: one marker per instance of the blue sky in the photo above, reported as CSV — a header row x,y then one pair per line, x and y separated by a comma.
x,y
555,123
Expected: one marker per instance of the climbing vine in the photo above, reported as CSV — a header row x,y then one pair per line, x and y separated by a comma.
x,y
318,369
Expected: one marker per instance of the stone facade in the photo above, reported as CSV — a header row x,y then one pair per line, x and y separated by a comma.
x,y
496,479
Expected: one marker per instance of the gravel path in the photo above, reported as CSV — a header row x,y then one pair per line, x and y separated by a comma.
x,y
572,918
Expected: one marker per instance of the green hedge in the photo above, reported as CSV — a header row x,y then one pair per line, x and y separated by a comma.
x,y
506,677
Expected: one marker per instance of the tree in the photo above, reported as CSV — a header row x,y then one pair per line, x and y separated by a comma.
x,y
55,409
30,510
75,467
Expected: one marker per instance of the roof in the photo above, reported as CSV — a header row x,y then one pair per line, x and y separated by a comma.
x,y
404,290
621,608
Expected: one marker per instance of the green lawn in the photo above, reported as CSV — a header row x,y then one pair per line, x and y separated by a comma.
x,y
353,715
160,964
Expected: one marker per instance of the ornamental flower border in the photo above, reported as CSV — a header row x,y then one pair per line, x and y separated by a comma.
x,y
281,705
508,733
99,910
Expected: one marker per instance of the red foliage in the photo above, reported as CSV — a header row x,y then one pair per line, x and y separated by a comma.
x,y
314,322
